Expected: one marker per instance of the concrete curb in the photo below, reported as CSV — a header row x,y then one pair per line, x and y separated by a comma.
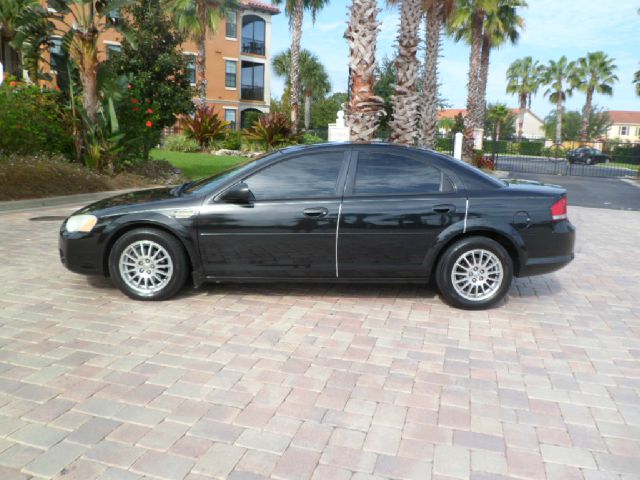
x,y
82,198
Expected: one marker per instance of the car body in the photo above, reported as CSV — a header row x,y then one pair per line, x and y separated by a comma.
x,y
587,155
333,212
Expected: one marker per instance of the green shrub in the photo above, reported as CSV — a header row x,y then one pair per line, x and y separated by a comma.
x,y
444,144
180,143
626,154
33,120
232,140
531,148
204,126
310,139
271,131
553,152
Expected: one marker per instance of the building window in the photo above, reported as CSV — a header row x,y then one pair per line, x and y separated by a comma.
x,y
113,49
638,132
230,116
624,130
190,70
58,57
252,81
54,5
231,29
231,73
113,16
253,28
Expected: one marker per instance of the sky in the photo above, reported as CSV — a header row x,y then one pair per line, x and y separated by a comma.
x,y
552,28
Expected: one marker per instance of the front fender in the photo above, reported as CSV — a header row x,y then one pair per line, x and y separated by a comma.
x,y
182,228
475,227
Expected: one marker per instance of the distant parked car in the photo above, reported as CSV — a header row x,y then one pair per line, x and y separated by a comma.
x,y
587,155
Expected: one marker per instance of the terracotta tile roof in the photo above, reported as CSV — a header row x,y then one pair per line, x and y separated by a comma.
x,y
451,112
257,5
624,116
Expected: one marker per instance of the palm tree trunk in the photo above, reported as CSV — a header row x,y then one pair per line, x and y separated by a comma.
x,y
296,35
471,119
482,85
404,124
201,68
559,109
364,109
523,109
307,111
498,125
586,114
429,118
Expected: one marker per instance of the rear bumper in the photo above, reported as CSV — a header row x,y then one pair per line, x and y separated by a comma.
x,y
561,244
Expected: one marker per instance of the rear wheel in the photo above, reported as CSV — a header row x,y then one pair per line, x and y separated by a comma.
x,y
148,264
474,273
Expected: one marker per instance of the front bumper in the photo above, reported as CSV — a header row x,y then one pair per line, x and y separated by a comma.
x,y
80,252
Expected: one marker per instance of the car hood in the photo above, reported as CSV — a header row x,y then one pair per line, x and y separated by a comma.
x,y
150,199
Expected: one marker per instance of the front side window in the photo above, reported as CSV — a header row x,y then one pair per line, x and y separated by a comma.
x,y
382,174
190,69
231,26
310,176
230,78
230,116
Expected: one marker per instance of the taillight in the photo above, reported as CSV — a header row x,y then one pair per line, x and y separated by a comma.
x,y
559,210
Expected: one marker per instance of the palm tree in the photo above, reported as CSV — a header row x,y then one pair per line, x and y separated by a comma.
x,y
196,19
365,108
595,74
561,79
498,114
501,25
294,9
437,13
468,20
404,124
12,15
636,80
523,80
315,81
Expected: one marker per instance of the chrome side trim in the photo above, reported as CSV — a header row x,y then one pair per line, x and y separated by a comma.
x,y
466,213
337,232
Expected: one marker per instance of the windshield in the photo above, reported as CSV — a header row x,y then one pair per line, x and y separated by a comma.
x,y
209,184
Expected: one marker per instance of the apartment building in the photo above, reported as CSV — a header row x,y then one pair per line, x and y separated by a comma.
x,y
238,60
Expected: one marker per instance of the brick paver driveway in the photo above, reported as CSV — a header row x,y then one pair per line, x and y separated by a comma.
x,y
296,382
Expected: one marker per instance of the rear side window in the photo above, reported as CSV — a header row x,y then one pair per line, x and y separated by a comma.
x,y
309,176
382,174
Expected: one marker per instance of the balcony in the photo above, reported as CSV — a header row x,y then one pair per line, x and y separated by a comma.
x,y
249,92
253,47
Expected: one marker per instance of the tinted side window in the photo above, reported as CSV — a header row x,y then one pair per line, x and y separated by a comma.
x,y
381,174
309,176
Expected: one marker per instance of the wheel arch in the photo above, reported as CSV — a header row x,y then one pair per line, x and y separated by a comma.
x,y
191,256
513,248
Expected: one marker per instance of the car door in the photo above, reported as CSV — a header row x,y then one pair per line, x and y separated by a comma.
x,y
289,227
394,207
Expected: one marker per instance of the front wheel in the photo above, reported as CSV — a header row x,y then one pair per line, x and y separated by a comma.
x,y
474,273
148,264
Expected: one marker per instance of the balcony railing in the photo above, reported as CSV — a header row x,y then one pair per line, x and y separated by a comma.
x,y
252,93
253,47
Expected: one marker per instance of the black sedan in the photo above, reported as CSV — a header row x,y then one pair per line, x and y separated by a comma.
x,y
587,155
334,212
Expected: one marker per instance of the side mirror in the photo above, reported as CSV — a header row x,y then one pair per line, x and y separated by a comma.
x,y
239,194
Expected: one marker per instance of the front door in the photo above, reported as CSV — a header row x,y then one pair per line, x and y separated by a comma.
x,y
288,230
393,209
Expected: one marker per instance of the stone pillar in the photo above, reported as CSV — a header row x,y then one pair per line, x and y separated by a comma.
x,y
457,145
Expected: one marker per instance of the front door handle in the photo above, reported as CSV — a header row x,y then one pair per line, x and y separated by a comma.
x,y
444,208
316,212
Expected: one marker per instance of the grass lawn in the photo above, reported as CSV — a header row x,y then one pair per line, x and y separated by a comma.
x,y
197,165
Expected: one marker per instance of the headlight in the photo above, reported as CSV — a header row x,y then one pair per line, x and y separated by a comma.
x,y
81,223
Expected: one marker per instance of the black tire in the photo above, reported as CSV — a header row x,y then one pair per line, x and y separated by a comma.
x,y
178,270
458,250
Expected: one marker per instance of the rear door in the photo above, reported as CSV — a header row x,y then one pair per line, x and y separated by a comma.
x,y
394,207
289,230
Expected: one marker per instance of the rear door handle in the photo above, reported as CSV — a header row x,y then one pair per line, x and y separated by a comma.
x,y
444,208
315,212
